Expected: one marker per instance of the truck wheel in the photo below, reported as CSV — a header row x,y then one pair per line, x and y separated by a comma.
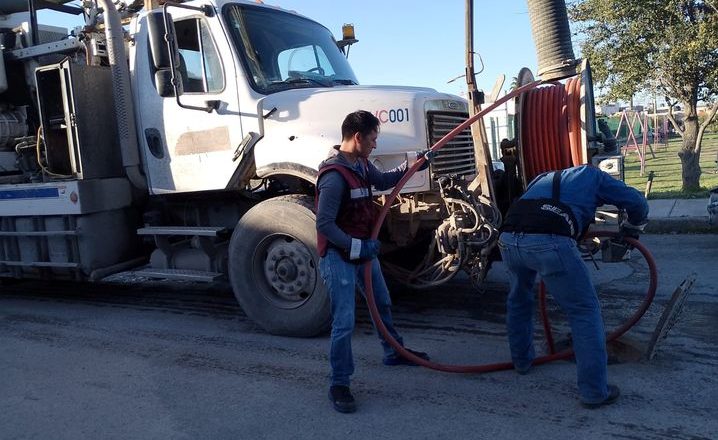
x,y
274,268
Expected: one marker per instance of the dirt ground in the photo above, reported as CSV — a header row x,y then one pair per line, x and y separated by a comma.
x,y
168,361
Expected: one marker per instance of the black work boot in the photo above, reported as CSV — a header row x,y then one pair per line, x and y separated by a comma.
x,y
613,393
342,399
397,359
522,370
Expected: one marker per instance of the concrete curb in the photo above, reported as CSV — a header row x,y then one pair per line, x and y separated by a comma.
x,y
681,225
679,216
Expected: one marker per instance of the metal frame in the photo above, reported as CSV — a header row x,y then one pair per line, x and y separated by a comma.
x,y
68,45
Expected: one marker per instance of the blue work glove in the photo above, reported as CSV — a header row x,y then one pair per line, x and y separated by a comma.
x,y
369,249
429,155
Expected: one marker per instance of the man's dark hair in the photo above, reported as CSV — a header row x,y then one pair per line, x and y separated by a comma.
x,y
361,121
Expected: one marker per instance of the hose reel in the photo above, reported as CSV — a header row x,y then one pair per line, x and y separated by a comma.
x,y
555,124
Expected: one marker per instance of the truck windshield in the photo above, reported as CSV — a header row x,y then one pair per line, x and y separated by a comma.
x,y
284,51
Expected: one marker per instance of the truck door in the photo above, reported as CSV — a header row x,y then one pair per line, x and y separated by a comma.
x,y
188,149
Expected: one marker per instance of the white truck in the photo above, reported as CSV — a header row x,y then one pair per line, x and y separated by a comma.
x,y
183,142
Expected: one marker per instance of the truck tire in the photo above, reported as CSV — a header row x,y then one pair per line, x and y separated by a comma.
x,y
274,268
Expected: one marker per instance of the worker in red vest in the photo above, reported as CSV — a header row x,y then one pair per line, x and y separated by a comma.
x,y
345,217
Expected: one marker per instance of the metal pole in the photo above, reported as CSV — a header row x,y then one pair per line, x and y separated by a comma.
x,y
655,122
484,167
649,184
151,4
33,23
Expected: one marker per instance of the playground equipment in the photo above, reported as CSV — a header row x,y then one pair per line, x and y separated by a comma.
x,y
632,118
660,132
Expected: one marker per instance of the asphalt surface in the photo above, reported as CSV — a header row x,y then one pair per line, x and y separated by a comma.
x,y
169,361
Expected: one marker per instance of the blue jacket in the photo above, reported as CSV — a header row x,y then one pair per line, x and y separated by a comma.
x,y
584,188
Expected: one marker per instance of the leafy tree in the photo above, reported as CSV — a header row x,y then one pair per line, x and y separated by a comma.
x,y
668,46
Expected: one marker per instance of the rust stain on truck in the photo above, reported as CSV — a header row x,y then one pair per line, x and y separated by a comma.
x,y
203,141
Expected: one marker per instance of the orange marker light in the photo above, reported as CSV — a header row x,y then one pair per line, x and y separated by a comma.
x,y
348,31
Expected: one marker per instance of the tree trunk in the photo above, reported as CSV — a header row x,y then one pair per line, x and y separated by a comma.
x,y
690,155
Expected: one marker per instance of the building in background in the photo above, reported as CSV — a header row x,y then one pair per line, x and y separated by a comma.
x,y
607,109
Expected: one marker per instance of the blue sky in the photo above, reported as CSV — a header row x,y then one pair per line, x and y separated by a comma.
x,y
421,43
418,43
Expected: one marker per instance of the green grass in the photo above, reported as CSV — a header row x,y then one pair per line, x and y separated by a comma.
x,y
666,167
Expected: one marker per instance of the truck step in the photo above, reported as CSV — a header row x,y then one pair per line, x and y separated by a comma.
x,y
204,231
37,233
49,264
180,274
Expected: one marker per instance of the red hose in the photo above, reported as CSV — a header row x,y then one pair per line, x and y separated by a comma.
x,y
554,108
633,319
540,151
574,119
549,133
484,368
563,128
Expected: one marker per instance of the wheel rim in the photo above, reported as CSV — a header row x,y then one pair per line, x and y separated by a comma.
x,y
285,266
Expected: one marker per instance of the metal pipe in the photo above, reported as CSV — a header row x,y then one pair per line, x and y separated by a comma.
x,y
124,109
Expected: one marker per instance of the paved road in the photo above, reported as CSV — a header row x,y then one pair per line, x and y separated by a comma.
x,y
114,361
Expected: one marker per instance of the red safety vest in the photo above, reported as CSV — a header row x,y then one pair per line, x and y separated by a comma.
x,y
356,212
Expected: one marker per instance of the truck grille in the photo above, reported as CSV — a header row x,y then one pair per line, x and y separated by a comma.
x,y
456,157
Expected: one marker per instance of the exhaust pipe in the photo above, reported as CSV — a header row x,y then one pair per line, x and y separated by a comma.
x,y
552,38
126,126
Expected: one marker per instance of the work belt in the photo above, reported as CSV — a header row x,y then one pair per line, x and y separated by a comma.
x,y
542,216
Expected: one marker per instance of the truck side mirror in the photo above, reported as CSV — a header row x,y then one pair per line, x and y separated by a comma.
x,y
161,51
163,46
163,82
166,56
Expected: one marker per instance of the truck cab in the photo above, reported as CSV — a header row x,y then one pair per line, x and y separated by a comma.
x,y
278,79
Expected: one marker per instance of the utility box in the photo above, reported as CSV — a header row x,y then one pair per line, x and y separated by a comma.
x,y
78,120
613,165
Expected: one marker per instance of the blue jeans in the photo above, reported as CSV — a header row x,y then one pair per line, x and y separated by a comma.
x,y
342,279
557,260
